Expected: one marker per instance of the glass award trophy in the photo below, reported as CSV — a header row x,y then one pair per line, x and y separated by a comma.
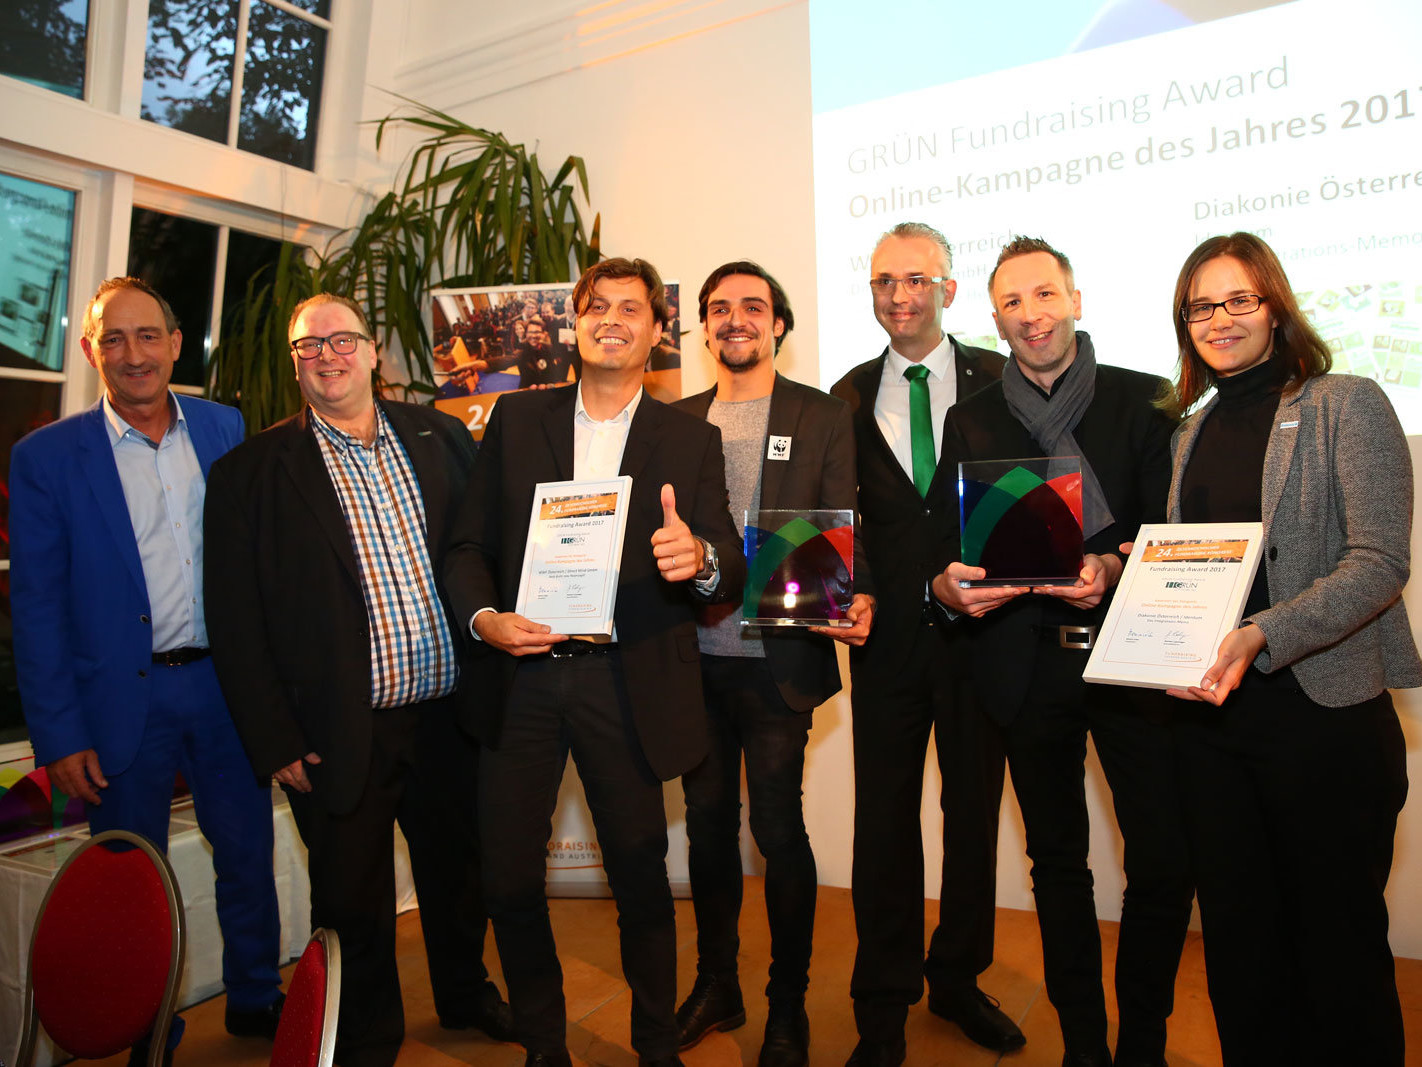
x,y
799,568
1021,520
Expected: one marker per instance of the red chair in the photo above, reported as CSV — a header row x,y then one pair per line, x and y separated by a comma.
x,y
306,1036
107,952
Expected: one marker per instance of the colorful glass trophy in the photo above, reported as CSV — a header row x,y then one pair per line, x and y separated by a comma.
x,y
1021,520
799,568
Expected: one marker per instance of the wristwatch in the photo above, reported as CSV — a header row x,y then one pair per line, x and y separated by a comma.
x,y
712,562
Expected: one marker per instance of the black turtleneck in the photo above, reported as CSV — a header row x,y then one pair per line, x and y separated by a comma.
x,y
1224,480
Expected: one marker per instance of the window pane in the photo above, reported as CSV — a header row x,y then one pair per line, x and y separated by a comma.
x,y
316,7
24,406
187,71
178,257
36,224
246,254
42,41
281,86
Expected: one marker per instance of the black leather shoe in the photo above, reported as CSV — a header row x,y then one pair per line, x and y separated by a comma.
x,y
1098,1058
714,1004
260,1022
1139,1061
978,1015
878,1053
548,1059
489,1013
787,1036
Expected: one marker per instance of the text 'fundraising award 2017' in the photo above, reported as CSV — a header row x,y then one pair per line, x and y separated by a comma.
x,y
574,554
1183,589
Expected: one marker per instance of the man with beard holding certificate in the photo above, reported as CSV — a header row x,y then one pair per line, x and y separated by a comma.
x,y
1030,647
630,712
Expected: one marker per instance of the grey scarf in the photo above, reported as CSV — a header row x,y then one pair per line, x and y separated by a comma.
x,y
1050,421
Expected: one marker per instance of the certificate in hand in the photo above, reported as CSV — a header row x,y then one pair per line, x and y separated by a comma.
x,y
574,554
1183,589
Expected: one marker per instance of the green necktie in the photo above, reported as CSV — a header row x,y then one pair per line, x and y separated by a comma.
x,y
921,428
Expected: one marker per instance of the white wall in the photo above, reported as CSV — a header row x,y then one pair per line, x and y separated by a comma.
x,y
695,127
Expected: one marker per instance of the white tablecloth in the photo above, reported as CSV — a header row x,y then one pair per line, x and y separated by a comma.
x,y
27,867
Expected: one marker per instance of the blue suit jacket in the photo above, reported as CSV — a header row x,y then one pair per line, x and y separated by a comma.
x,y
83,637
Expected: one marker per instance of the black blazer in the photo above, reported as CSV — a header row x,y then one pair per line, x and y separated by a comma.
x,y
818,474
529,439
285,611
1127,440
907,538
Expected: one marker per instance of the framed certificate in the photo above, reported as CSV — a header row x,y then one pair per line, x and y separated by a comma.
x,y
1183,589
1020,520
799,568
574,554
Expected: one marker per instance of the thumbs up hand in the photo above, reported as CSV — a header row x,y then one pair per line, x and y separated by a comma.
x,y
678,553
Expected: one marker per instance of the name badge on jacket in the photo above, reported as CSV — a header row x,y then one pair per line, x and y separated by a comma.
x,y
779,447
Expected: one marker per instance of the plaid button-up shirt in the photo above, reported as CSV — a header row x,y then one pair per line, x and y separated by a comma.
x,y
412,656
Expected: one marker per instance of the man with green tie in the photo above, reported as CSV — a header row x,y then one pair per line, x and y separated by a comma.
x,y
908,678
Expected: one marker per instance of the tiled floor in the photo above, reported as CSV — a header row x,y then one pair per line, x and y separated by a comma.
x,y
598,1000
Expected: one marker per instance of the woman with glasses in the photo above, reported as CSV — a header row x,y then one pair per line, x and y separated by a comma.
x,y
1293,765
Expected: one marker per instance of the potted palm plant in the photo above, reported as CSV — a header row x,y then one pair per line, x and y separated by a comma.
x,y
468,207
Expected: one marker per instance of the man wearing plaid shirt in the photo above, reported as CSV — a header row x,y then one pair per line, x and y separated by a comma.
x,y
335,649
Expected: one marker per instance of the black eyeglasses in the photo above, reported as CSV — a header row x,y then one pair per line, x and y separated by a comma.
x,y
914,283
1243,304
342,344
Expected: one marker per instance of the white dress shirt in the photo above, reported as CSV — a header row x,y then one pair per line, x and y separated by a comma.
x,y
891,407
598,446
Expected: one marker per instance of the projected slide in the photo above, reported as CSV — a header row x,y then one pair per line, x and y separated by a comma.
x,y
1125,133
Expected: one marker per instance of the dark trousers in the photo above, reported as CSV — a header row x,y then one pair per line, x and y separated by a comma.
x,y
188,729
1046,753
748,715
423,773
1292,808
578,706
893,715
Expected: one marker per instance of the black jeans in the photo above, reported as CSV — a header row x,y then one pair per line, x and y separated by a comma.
x,y
1046,751
748,715
577,706
1291,812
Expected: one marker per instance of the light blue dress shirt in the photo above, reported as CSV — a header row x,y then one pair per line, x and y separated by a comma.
x,y
164,489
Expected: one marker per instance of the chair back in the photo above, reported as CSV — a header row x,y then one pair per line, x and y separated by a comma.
x,y
106,955
306,1036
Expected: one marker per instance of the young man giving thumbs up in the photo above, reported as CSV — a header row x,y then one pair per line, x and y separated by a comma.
x,y
630,712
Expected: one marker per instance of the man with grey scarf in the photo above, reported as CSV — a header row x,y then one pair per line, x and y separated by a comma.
x,y
1030,646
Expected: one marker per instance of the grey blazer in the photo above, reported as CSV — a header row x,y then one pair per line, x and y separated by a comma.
x,y
1337,507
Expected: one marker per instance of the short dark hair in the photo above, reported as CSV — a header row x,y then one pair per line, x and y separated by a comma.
x,y
1299,353
779,302
330,298
619,269
1026,246
127,281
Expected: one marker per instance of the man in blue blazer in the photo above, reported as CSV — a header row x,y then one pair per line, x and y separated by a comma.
x,y
116,683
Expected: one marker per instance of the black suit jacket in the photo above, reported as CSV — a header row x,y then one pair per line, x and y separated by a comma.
x,y
529,440
818,474
908,539
1127,441
285,611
